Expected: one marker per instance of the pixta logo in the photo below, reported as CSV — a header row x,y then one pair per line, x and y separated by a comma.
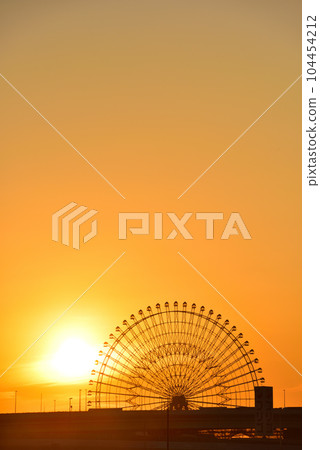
x,y
71,223
68,220
234,225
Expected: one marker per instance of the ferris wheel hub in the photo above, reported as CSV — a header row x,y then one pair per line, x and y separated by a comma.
x,y
179,403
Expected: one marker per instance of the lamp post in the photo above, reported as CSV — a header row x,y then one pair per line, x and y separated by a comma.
x,y
15,401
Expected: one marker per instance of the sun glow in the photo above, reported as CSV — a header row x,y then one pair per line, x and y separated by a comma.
x,y
73,359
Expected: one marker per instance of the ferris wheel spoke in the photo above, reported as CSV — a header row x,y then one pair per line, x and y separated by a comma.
x,y
146,405
153,337
127,385
212,403
134,374
159,398
122,370
196,354
234,363
125,352
133,343
217,381
237,369
223,354
141,387
196,374
118,394
202,326
142,365
218,375
111,385
126,364
234,384
242,391
230,357
210,388
216,337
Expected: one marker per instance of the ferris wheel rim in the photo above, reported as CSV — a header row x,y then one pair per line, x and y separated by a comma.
x,y
249,376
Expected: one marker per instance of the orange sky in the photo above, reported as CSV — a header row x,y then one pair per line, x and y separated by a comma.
x,y
151,93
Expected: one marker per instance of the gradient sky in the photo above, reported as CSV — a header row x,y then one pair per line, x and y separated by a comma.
x,y
151,93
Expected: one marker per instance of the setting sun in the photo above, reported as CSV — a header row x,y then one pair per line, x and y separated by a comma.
x,y
74,358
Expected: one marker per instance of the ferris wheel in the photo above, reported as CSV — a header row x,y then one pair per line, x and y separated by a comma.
x,y
175,357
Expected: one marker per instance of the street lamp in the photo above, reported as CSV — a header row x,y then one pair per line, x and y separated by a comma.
x,y
15,401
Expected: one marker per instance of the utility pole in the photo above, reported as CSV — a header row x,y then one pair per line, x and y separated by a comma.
x,y
54,405
168,428
41,402
70,404
284,398
79,399
15,401
85,399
